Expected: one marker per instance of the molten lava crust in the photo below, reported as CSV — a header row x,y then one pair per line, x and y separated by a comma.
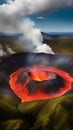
x,y
37,76
39,82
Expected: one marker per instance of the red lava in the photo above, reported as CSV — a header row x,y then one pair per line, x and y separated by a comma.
x,y
38,73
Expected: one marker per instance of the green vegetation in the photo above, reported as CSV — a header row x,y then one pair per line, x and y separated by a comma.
x,y
9,46
63,46
51,114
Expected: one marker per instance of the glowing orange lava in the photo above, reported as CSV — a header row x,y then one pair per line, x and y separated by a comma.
x,y
20,79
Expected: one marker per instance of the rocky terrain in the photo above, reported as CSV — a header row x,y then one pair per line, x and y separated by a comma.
x,y
51,114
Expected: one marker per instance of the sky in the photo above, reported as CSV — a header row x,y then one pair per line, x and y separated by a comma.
x,y
60,20
2,1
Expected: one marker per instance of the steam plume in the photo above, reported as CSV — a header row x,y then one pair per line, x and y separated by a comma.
x,y
13,19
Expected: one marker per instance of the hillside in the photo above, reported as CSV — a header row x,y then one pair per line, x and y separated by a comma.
x,y
58,42
51,114
54,114
62,46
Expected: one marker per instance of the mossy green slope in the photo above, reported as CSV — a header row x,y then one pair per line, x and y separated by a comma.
x,y
52,114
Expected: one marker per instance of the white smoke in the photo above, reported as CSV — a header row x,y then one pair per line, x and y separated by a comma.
x,y
11,20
